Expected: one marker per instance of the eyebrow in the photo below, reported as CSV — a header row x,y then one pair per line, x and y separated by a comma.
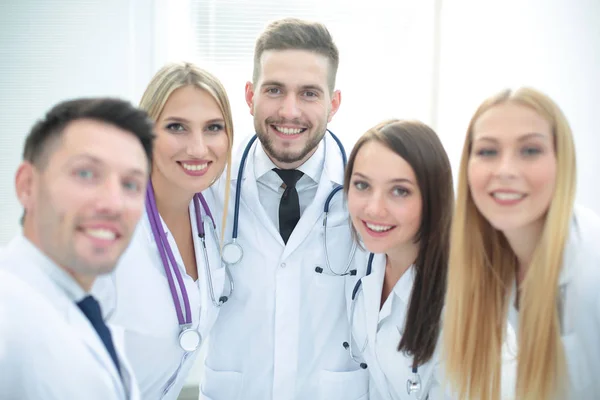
x,y
95,160
302,87
396,180
185,121
522,138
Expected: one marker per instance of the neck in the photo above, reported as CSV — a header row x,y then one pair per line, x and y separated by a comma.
x,y
523,243
400,259
84,281
171,202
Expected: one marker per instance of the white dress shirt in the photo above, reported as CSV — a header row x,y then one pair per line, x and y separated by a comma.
x,y
270,185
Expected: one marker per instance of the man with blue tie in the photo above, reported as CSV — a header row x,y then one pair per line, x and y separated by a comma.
x,y
81,184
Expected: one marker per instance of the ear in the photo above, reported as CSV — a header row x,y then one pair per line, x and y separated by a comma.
x,y
24,184
336,100
250,96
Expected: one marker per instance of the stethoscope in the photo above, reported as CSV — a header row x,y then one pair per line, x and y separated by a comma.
x,y
413,384
233,253
189,339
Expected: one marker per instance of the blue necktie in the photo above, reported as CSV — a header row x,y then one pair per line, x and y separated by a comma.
x,y
90,307
289,206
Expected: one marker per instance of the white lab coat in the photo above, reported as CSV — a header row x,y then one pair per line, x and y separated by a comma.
x,y
137,298
48,348
580,282
382,330
281,336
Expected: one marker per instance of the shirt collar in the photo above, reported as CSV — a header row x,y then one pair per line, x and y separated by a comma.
x,y
59,276
312,168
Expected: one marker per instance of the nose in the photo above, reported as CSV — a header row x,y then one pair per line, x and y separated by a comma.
x,y
506,167
290,109
376,207
111,196
196,147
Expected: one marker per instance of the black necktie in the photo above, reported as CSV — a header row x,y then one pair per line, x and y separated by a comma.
x,y
289,206
90,307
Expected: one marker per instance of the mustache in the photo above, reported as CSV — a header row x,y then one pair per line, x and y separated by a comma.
x,y
305,124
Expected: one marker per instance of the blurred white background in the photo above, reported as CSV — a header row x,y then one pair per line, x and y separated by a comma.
x,y
433,60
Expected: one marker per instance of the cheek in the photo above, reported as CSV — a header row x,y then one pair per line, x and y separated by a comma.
x,y
165,146
476,178
355,207
543,176
409,213
219,145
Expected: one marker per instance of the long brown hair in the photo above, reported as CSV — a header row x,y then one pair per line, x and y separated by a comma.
x,y
482,271
420,146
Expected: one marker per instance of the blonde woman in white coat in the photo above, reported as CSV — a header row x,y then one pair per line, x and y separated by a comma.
x,y
522,256
170,284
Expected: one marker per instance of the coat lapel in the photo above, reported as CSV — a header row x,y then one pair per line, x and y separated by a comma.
x,y
90,337
332,175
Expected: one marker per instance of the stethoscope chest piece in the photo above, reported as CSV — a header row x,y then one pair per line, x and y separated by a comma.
x,y
413,385
232,253
189,339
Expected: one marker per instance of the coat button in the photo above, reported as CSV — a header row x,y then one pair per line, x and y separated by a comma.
x,y
282,265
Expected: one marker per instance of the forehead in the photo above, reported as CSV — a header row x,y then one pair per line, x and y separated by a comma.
x,y
294,67
191,102
510,121
379,162
109,144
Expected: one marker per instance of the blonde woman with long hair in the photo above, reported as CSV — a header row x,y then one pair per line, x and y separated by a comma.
x,y
522,255
170,285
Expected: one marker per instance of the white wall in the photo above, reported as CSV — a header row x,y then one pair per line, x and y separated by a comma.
x,y
553,45
51,50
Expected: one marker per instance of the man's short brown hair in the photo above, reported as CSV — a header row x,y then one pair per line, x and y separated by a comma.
x,y
296,34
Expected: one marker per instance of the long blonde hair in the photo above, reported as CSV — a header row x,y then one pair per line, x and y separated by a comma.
x,y
482,271
176,75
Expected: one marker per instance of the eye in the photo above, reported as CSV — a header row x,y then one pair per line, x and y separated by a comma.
x,y
175,127
215,127
311,94
530,151
400,191
85,174
360,185
132,186
486,152
273,90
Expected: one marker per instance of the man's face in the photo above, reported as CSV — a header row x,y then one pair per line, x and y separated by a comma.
x,y
291,104
82,208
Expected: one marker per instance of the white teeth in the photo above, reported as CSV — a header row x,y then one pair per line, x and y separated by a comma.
x,y
103,234
379,228
507,196
194,167
288,131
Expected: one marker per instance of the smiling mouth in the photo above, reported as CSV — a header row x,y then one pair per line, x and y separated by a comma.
x,y
194,167
377,228
288,131
508,196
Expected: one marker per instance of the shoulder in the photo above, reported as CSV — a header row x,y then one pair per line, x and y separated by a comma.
x,y
583,251
24,309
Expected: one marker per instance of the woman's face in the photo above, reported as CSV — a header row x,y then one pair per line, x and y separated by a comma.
x,y
191,145
512,166
384,199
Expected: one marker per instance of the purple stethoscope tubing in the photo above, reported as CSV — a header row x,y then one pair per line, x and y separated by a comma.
x,y
167,257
